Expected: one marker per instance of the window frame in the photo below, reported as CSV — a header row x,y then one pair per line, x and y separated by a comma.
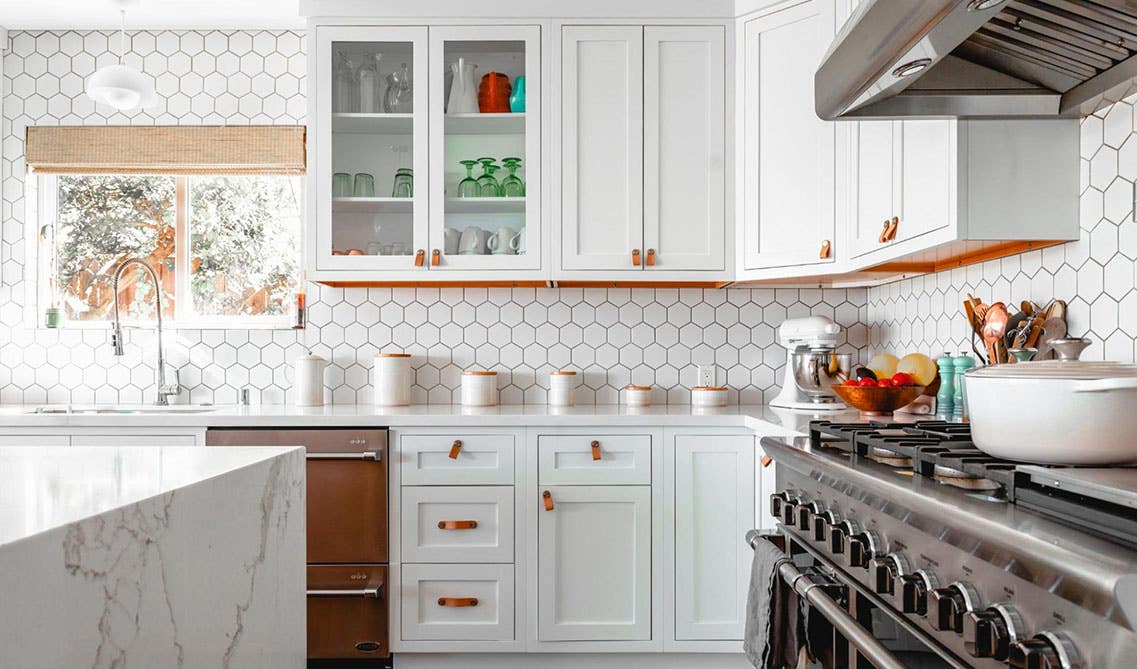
x,y
42,203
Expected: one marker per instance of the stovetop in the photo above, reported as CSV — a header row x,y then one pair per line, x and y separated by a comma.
x,y
1100,500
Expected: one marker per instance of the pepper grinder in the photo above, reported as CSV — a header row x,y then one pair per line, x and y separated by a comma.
x,y
961,363
945,398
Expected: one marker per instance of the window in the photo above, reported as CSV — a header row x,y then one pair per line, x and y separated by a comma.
x,y
226,247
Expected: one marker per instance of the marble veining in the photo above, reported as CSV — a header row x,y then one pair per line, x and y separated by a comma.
x,y
210,573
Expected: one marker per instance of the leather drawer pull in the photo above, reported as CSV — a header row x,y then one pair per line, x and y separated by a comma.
x,y
548,497
635,257
457,446
457,524
595,450
458,601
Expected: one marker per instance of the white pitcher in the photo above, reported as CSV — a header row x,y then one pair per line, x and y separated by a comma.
x,y
463,97
309,380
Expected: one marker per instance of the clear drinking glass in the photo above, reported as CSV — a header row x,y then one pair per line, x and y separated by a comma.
x,y
404,183
364,185
469,187
341,184
512,185
487,184
399,96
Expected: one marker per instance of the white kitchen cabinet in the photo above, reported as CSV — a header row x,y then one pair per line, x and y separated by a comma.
x,y
512,223
684,148
594,563
788,211
602,173
953,186
713,503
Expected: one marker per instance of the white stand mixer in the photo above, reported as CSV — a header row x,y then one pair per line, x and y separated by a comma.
x,y
812,364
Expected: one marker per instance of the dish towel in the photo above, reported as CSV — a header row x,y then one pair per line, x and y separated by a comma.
x,y
771,639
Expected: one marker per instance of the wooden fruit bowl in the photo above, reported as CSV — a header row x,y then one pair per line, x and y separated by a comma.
x,y
877,401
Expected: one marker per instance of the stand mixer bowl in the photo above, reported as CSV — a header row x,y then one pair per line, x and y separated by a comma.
x,y
814,371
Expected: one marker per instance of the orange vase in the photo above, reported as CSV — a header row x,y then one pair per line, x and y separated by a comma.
x,y
493,94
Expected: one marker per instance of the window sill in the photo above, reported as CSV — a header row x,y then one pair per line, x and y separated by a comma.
x,y
174,326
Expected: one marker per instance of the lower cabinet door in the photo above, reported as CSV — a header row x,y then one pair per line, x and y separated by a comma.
x,y
714,506
457,602
594,563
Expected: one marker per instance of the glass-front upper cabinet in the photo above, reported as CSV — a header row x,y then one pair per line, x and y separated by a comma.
x,y
371,178
485,138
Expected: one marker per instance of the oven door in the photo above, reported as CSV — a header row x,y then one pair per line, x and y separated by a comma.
x,y
849,628
347,488
347,611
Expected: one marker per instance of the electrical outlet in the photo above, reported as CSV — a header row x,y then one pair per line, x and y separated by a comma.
x,y
705,374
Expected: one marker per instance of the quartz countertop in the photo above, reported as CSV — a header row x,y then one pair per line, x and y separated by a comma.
x,y
770,420
45,488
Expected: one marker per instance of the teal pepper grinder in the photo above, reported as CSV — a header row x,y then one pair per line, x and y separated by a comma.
x,y
961,363
517,98
945,398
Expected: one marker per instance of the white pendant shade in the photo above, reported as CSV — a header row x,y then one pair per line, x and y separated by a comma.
x,y
121,87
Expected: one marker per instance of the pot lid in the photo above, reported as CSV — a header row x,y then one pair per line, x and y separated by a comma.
x,y
1057,369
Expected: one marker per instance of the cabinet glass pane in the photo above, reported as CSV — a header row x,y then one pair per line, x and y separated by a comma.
x,y
484,176
372,148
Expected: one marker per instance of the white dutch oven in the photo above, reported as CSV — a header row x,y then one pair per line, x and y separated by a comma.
x,y
1055,411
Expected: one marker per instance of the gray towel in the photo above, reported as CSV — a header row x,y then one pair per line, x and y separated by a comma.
x,y
771,638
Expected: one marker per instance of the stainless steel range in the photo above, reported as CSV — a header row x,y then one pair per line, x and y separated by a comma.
x,y
950,558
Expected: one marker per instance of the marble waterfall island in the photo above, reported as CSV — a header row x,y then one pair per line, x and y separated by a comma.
x,y
152,557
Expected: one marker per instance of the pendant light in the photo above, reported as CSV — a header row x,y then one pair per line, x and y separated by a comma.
x,y
119,85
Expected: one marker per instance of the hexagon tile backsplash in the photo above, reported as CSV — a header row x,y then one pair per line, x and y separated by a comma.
x,y
1095,274
614,336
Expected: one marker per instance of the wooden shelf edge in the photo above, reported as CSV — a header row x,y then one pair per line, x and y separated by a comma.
x,y
965,259
435,284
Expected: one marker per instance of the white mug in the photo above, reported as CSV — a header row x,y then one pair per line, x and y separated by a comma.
x,y
500,242
518,242
450,240
472,242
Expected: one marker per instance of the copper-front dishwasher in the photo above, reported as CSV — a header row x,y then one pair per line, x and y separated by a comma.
x,y
347,534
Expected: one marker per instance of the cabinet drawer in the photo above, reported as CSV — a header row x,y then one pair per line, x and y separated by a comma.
x,y
480,459
624,459
458,524
457,602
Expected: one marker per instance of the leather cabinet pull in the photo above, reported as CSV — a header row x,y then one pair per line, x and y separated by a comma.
x,y
420,257
457,524
548,499
650,260
458,601
435,258
635,257
595,450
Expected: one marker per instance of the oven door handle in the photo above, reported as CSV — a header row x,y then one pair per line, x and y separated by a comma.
x,y
814,594
366,593
367,456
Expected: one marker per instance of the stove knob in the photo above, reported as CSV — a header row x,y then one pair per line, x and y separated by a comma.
x,y
990,632
1048,650
947,606
822,525
862,547
914,590
887,571
840,534
805,515
776,502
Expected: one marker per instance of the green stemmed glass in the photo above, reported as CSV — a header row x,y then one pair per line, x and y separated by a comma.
x,y
487,183
512,185
469,187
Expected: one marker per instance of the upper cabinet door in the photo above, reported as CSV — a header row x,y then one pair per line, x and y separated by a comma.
x,y
485,199
926,174
872,201
602,147
684,147
366,131
788,168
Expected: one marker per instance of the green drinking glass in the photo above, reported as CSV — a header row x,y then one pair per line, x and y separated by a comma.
x,y
487,183
469,187
512,185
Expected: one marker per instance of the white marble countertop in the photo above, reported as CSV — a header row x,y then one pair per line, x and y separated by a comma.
x,y
45,488
754,416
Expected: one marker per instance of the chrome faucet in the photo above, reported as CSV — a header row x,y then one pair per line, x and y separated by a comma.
x,y
165,390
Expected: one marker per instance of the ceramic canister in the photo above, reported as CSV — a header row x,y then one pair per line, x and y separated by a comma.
x,y
562,387
392,379
637,396
479,388
708,396
309,380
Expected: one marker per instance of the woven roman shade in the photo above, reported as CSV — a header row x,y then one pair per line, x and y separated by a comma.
x,y
184,149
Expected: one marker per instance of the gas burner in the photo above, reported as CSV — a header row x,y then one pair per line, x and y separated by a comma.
x,y
962,479
886,457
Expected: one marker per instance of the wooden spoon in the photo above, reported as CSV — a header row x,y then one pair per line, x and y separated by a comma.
x,y
994,328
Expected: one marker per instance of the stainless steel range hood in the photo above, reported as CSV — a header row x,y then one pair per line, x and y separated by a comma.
x,y
979,59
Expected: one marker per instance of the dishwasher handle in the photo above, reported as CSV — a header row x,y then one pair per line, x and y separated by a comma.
x,y
366,593
367,456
